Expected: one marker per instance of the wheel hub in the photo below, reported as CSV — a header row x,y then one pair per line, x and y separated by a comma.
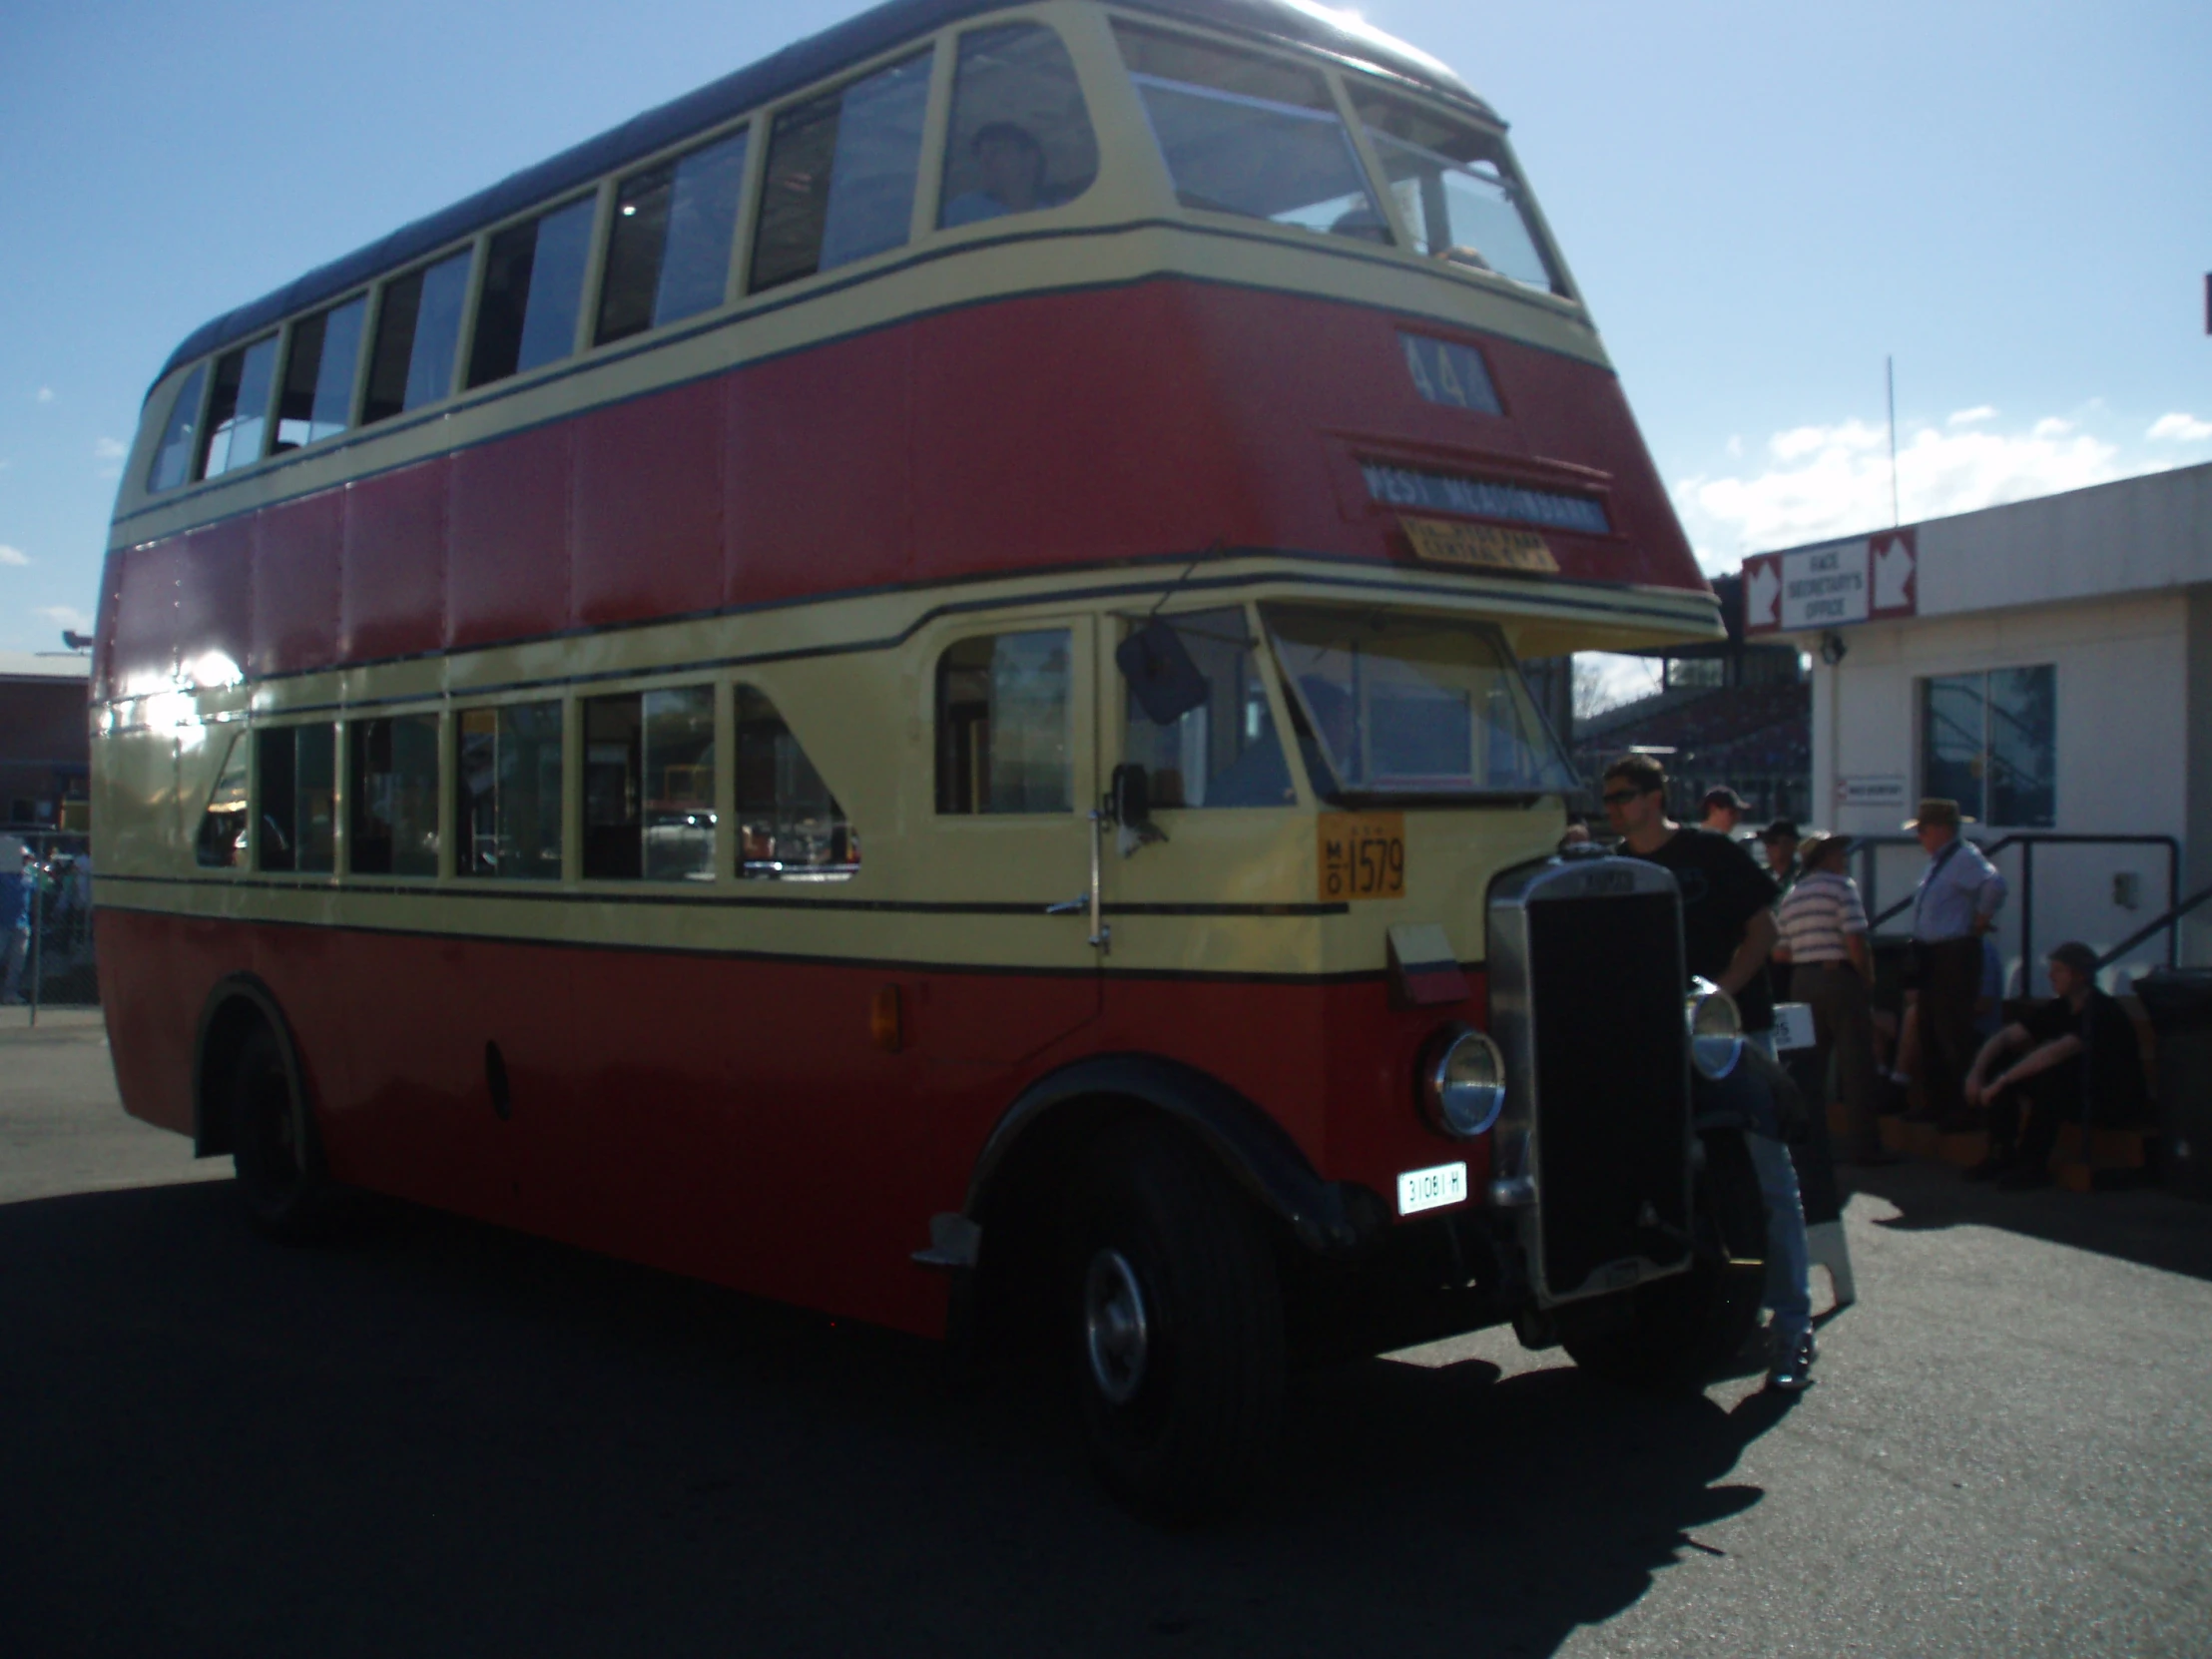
x,y
1116,1331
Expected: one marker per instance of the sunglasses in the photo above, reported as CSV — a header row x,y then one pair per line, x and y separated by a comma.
x,y
1614,797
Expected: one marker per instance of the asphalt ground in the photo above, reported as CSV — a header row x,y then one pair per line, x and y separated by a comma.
x,y
438,1437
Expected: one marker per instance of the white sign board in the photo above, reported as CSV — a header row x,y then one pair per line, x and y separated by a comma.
x,y
1886,791
1833,585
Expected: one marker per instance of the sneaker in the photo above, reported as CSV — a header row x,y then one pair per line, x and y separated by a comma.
x,y
1792,1369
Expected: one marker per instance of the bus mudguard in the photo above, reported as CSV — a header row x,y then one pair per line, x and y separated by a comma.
x,y
233,1004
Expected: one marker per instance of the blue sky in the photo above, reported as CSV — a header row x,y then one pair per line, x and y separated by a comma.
x,y
1759,200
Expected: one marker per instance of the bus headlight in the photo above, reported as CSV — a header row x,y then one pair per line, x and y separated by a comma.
x,y
1716,1029
1462,1083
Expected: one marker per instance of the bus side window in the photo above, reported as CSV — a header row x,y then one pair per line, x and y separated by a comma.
x,y
533,291
649,785
317,398
667,255
1003,725
789,827
238,415
507,795
221,841
841,174
298,785
173,455
1020,138
418,334
1225,751
394,792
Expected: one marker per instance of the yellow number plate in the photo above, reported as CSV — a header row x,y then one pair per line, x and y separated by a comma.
x,y
1362,855
1447,542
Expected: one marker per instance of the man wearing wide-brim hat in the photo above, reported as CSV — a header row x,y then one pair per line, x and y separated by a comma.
x,y
1957,902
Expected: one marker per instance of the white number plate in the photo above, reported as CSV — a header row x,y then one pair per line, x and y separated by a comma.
x,y
1432,1189
1792,1026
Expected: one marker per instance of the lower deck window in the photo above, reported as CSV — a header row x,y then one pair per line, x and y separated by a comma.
x,y
508,792
649,785
394,791
223,838
298,787
1002,724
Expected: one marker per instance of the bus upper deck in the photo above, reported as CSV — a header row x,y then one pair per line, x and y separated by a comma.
x,y
783,339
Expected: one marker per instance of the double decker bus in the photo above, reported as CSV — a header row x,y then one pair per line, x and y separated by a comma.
x,y
897,684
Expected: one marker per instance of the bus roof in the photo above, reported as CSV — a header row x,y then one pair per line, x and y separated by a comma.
x,y
798,64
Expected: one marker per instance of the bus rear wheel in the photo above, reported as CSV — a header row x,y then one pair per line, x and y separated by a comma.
x,y
275,1149
1177,1328
1678,1334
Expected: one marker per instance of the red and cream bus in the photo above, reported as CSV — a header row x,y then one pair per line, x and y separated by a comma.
x,y
895,684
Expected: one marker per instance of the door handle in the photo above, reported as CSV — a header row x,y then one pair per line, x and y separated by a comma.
x,y
1102,936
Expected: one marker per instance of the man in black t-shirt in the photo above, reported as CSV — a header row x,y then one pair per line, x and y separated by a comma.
x,y
2072,1056
1726,900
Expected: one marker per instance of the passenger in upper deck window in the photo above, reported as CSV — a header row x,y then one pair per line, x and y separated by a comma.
x,y
1013,166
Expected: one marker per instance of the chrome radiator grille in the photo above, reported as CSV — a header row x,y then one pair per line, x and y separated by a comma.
x,y
1587,994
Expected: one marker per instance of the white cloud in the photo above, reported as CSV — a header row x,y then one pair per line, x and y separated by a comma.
x,y
13,555
1834,480
1973,416
1735,447
108,449
2179,428
46,394
64,615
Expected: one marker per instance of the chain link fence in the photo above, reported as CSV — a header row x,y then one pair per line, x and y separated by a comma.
x,y
46,908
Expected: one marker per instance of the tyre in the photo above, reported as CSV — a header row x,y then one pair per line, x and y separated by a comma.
x,y
1680,1332
1177,1327
275,1149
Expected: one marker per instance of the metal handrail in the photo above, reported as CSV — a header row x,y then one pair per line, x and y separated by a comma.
x,y
2141,933
2028,841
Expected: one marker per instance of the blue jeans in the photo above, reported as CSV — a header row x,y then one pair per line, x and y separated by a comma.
x,y
1789,1257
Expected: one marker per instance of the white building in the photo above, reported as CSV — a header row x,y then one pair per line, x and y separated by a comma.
x,y
2049,664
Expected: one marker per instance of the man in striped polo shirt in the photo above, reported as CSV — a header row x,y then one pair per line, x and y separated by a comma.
x,y
1824,924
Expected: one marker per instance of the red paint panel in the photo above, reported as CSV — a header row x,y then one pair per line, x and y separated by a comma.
x,y
507,572
819,472
648,509
214,602
394,570
298,549
143,657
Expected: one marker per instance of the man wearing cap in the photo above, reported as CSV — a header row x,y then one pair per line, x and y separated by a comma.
x,y
2071,1056
1823,923
1957,902
1722,810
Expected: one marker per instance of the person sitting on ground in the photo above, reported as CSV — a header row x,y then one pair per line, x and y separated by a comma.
x,y
2073,1058
1722,810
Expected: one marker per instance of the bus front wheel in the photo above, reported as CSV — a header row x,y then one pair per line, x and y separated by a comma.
x,y
275,1149
1177,1324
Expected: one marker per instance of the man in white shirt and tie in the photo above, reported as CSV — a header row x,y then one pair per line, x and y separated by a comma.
x,y
1958,900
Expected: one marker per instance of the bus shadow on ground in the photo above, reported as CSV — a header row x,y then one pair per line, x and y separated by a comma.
x,y
437,1436
2144,1225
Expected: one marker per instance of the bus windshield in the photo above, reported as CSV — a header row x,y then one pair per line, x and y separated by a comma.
x,y
1456,191
1249,135
1396,704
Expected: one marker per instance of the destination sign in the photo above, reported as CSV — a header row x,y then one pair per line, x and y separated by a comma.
x,y
1442,541
1451,492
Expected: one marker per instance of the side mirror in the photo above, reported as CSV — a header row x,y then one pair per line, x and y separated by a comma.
x,y
1160,674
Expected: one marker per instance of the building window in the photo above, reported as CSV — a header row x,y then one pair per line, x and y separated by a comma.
x,y
394,767
789,825
1990,743
1002,724
649,785
509,794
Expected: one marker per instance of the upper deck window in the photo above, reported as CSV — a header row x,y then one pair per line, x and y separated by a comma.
x,y
667,255
317,399
533,293
1251,134
237,414
173,455
419,338
1456,190
841,174
1396,704
1020,138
